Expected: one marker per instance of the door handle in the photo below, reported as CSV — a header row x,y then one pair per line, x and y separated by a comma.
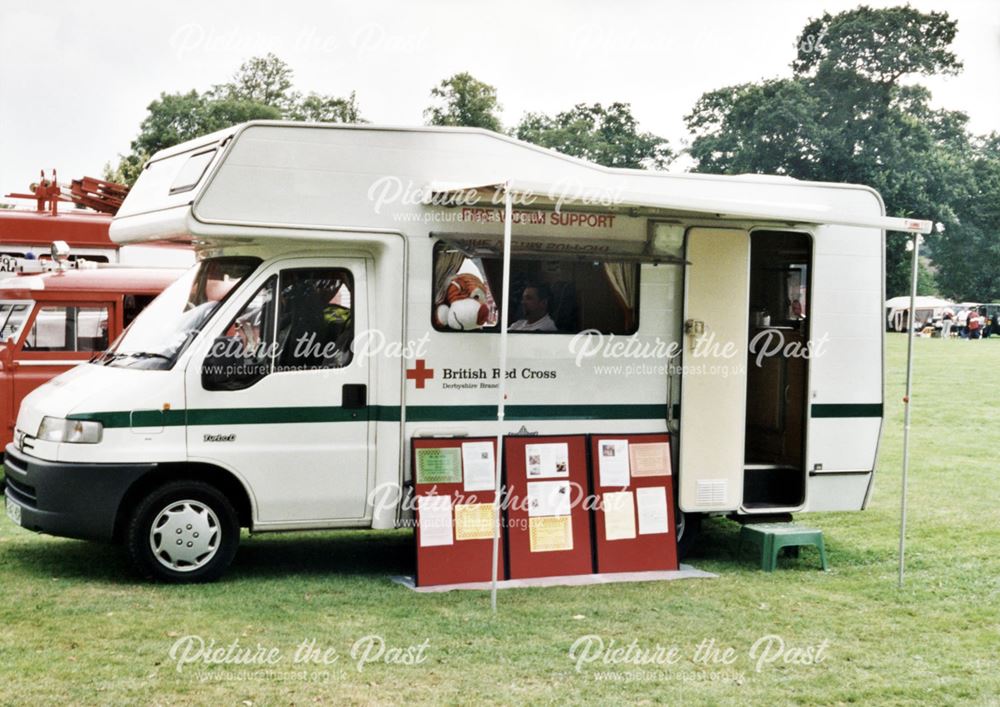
x,y
354,396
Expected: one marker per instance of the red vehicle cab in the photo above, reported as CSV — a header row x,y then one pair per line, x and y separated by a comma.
x,y
52,321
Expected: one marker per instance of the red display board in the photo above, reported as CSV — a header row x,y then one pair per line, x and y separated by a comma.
x,y
454,485
634,514
546,519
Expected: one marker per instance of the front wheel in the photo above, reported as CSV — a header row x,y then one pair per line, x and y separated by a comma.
x,y
183,531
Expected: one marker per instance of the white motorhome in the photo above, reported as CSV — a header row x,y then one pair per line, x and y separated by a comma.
x,y
348,298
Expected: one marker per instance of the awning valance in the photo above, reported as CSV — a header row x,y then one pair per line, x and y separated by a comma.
x,y
562,196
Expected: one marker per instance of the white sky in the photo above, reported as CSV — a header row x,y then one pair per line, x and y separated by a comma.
x,y
75,78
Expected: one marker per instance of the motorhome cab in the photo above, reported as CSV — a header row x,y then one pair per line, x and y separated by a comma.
x,y
348,298
54,320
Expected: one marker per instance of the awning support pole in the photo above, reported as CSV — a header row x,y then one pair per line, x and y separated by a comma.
x,y
502,387
906,401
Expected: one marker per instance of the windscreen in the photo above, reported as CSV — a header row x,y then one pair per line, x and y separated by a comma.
x,y
161,333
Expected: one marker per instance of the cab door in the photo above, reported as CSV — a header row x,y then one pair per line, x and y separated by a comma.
x,y
276,394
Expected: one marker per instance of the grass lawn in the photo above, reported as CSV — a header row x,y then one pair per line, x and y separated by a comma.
x,y
75,627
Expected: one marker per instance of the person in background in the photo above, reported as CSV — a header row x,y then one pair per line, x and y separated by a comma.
x,y
963,321
974,324
946,321
987,326
535,301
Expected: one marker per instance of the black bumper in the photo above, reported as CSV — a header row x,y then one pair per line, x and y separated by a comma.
x,y
70,499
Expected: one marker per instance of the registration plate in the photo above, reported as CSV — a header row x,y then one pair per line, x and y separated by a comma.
x,y
13,512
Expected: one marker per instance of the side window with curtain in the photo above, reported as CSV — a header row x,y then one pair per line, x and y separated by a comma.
x,y
547,294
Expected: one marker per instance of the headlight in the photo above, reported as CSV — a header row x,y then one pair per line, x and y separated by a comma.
x,y
56,429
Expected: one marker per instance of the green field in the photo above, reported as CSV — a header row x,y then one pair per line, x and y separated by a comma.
x,y
76,627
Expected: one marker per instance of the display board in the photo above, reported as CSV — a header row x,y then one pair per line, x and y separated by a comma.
x,y
455,488
632,479
547,523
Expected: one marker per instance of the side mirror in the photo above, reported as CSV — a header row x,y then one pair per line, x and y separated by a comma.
x,y
229,366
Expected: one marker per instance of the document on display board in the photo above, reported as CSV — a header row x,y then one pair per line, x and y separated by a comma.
x,y
651,459
435,520
474,521
478,466
651,503
439,465
550,534
548,498
619,515
547,461
612,461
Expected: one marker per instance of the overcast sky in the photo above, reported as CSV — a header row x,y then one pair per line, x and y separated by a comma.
x,y
75,77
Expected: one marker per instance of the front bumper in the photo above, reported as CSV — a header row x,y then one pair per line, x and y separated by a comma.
x,y
70,499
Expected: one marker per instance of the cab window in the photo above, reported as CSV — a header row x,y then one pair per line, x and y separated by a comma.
x,y
299,320
12,318
64,328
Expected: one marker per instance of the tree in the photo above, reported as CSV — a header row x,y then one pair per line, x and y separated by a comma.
x,y
969,261
260,90
317,108
262,79
608,136
846,115
464,100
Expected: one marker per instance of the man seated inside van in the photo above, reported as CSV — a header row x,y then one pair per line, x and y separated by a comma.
x,y
535,300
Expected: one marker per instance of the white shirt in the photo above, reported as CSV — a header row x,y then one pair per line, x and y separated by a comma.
x,y
543,324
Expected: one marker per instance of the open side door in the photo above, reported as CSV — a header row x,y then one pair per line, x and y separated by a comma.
x,y
713,383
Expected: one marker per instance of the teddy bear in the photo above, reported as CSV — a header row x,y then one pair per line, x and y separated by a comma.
x,y
464,304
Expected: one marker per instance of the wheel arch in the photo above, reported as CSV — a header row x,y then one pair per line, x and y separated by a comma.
x,y
225,481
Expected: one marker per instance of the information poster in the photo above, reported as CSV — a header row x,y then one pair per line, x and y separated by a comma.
x,y
651,504
633,516
649,459
478,465
619,515
546,517
435,520
547,461
548,498
439,466
612,461
454,487
474,521
551,533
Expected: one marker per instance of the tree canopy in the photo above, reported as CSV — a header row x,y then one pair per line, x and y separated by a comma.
x,y
850,112
262,88
464,100
608,136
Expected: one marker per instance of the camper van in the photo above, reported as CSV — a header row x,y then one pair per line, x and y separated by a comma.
x,y
349,297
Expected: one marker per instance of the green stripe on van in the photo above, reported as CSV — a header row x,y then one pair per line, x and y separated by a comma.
x,y
847,410
384,413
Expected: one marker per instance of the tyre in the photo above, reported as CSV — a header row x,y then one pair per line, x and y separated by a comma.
x,y
688,527
183,531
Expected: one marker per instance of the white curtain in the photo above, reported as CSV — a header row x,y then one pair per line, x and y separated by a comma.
x,y
623,281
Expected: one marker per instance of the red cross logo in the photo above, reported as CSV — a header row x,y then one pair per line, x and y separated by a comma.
x,y
420,374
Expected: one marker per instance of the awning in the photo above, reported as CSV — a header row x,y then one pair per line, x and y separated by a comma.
x,y
560,195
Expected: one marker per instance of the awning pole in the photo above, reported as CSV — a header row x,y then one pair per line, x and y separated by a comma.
x,y
502,387
906,402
